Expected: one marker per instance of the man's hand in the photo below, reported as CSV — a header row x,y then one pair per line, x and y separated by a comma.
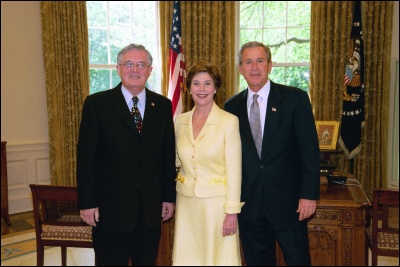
x,y
167,210
306,208
90,216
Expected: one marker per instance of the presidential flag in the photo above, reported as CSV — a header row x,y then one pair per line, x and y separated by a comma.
x,y
176,62
353,92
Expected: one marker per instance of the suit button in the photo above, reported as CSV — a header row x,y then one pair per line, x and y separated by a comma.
x,y
261,167
138,185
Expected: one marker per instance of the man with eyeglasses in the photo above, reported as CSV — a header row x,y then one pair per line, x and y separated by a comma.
x,y
126,164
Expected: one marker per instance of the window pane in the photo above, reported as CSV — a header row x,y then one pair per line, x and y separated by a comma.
x,y
114,25
115,78
251,14
299,7
275,39
97,17
275,14
250,35
99,80
298,48
242,83
285,29
298,77
292,76
118,37
149,41
152,82
98,46
120,14
141,16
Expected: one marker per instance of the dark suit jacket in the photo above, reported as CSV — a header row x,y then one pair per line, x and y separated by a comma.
x,y
289,165
118,168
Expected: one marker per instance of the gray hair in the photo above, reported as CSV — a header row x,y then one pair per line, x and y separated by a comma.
x,y
134,47
251,45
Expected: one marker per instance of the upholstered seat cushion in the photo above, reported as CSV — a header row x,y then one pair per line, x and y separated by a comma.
x,y
385,240
76,233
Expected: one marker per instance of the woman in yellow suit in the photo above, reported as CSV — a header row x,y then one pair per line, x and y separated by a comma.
x,y
208,184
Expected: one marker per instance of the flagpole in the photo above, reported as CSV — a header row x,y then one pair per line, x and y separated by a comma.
x,y
176,62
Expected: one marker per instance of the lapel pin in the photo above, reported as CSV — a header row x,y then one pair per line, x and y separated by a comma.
x,y
152,103
274,109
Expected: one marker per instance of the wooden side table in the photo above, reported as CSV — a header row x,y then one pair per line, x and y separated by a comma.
x,y
4,184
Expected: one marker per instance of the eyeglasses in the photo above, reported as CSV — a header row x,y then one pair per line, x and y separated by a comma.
x,y
129,65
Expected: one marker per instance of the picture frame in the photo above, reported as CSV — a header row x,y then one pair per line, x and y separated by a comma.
x,y
327,134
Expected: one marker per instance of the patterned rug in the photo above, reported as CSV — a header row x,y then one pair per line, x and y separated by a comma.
x,y
19,249
13,246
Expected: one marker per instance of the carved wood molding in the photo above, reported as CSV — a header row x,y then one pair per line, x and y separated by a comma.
x,y
327,216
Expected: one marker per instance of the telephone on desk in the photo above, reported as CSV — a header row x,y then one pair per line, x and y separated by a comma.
x,y
336,178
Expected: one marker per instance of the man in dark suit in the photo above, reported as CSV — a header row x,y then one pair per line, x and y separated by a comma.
x,y
280,183
126,165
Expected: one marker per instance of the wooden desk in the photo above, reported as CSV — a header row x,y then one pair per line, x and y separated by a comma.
x,y
336,230
4,184
164,257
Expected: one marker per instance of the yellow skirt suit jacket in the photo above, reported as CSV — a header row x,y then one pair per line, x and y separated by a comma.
x,y
212,167
208,187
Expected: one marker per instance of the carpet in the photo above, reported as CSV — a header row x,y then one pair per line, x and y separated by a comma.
x,y
13,246
19,249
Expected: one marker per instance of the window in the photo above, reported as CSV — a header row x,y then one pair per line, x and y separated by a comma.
x,y
112,26
285,28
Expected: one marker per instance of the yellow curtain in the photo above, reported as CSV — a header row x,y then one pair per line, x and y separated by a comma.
x,y
66,62
208,33
330,35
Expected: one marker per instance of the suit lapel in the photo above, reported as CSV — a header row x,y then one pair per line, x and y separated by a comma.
x,y
150,114
274,109
245,129
119,105
212,119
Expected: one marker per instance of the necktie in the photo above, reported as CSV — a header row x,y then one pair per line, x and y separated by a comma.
x,y
255,124
137,118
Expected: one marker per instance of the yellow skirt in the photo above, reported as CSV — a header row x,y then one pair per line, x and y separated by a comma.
x,y
198,239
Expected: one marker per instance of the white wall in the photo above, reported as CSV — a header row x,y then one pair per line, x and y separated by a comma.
x,y
23,92
23,101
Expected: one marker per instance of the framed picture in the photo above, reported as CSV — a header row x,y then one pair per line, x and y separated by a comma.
x,y
327,134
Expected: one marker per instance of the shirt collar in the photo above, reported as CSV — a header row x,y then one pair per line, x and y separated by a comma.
x,y
263,93
128,96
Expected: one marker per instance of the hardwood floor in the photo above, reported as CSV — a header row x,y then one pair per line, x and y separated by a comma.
x,y
19,223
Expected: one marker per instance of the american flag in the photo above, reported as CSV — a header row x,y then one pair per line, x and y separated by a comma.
x,y
176,62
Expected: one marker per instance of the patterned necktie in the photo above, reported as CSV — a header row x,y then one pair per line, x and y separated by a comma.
x,y
137,118
255,124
